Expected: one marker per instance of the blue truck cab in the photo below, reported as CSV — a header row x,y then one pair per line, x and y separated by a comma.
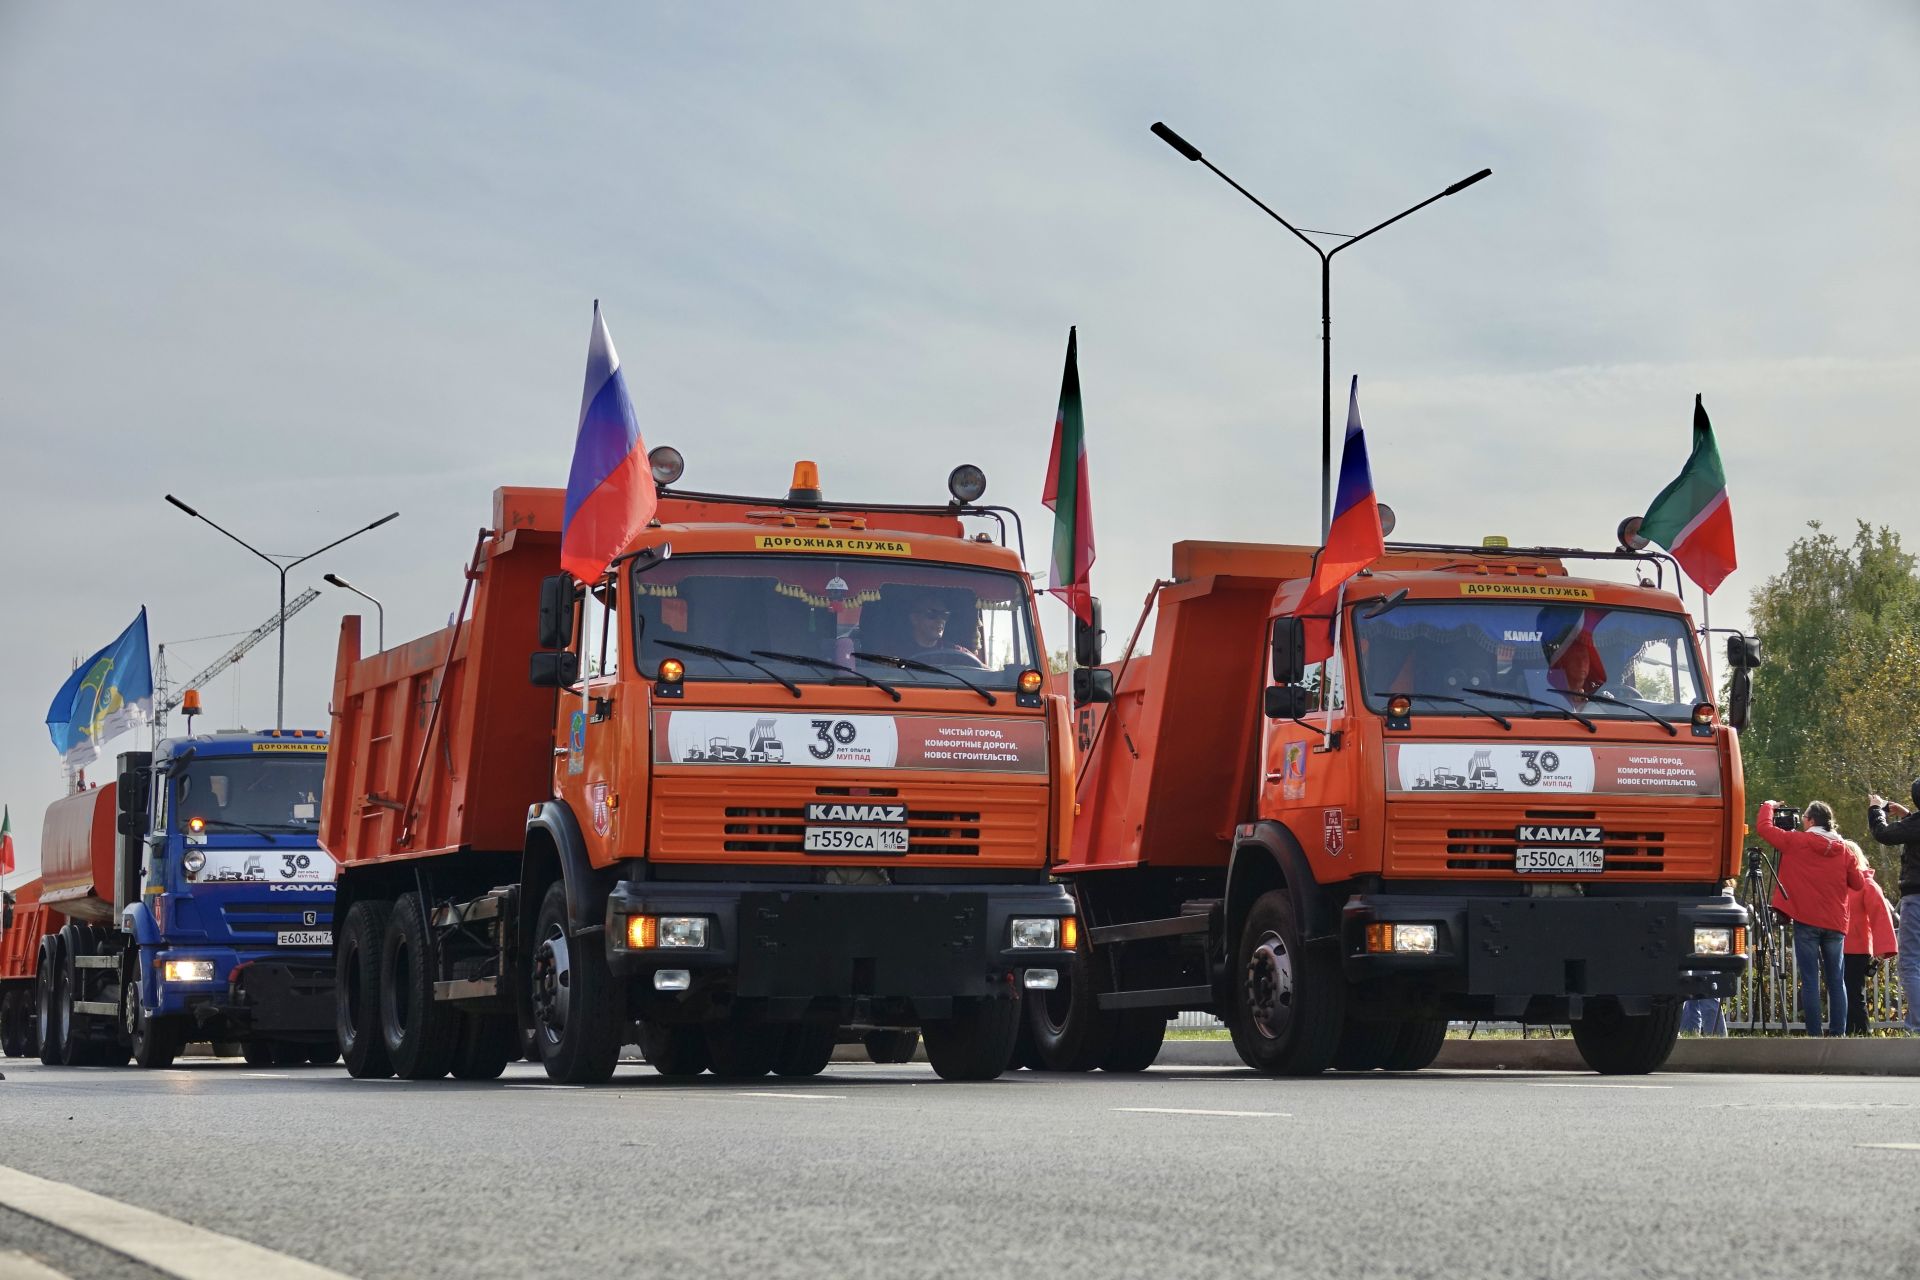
x,y
232,922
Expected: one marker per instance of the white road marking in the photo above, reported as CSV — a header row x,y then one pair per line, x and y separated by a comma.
x,y
1544,1084
1889,1146
18,1266
263,1075
166,1244
543,1086
810,1097
1195,1111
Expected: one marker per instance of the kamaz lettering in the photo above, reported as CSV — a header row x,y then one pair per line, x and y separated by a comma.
x,y
1558,835
893,813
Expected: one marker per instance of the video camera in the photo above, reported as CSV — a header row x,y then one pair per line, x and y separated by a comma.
x,y
1786,818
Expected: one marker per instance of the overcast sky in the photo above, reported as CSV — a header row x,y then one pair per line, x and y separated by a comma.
x,y
306,265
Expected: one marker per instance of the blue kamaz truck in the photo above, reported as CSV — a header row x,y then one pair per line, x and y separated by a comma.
x,y
199,906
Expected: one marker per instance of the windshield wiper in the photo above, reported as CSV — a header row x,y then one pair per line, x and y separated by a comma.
x,y
708,651
1610,700
1488,712
244,826
914,664
1565,713
823,665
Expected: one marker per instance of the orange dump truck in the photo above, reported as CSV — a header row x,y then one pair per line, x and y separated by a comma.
x,y
811,787
25,922
1507,794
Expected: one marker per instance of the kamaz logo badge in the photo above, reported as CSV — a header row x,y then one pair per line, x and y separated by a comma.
x,y
891,813
1558,835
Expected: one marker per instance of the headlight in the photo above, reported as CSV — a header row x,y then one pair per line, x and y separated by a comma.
x,y
683,931
1417,939
193,860
1713,942
188,970
1036,933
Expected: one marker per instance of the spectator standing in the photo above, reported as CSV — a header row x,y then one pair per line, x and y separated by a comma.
x,y
1904,831
1816,876
1869,938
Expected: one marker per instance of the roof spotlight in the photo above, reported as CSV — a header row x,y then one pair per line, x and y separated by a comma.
x,y
1387,520
666,462
1629,535
967,483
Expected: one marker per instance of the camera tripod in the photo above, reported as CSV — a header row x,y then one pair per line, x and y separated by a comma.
x,y
1770,985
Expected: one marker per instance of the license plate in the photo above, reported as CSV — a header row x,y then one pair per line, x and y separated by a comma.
x,y
1559,861
855,840
305,938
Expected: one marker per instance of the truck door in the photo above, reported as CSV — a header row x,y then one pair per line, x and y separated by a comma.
x,y
1308,786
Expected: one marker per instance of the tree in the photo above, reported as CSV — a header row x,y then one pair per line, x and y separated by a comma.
x,y
1836,710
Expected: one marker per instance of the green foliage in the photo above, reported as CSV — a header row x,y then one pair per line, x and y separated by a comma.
x,y
1836,707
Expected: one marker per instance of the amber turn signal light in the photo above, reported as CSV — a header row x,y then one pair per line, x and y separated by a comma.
x,y
672,670
1030,681
643,932
1399,705
1069,933
1703,714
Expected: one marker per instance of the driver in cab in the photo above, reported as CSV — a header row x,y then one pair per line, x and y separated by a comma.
x,y
927,618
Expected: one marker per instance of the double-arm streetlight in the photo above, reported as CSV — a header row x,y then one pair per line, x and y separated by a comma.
x,y
380,610
1192,152
290,563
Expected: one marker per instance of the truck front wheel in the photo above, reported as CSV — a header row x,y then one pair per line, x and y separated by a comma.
x,y
1619,1044
155,1042
1418,1044
356,1019
976,1043
1288,1000
575,1026
1071,1032
805,1050
676,1052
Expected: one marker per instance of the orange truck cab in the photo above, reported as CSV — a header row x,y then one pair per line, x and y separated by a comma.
x,y
787,774
1505,793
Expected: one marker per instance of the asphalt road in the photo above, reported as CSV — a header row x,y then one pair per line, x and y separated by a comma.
x,y
887,1172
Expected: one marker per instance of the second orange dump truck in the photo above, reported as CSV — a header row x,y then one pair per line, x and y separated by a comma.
x,y
1508,794
798,779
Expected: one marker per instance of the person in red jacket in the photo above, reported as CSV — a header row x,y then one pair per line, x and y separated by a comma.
x,y
1816,876
1869,939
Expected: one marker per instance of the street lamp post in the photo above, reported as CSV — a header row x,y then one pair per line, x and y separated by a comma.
x,y
380,610
1192,152
280,700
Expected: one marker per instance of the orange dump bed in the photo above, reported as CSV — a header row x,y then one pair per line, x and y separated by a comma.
x,y
20,938
76,853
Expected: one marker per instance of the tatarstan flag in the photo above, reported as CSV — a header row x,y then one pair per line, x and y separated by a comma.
x,y
6,840
1066,496
1691,517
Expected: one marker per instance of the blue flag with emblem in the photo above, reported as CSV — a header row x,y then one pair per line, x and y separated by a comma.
x,y
106,695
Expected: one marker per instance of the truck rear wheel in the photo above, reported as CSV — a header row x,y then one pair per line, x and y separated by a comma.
x,y
976,1043
676,1052
47,1014
488,1041
887,1046
805,1050
742,1051
1288,1001
575,1016
420,1033
356,1020
1137,1037
1071,1032
16,1014
1418,1044
1619,1044
1365,1045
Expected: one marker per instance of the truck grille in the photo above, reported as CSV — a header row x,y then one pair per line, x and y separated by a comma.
x,y
262,921
1476,837
763,830
1492,849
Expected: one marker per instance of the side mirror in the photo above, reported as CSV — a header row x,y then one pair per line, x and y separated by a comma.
x,y
1088,638
553,668
1739,696
131,823
1289,651
1092,684
1287,701
557,595
1743,652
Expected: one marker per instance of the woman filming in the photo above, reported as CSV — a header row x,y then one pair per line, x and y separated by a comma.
x,y
1817,876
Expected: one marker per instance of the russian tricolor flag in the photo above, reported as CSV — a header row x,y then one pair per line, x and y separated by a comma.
x,y
610,493
1354,539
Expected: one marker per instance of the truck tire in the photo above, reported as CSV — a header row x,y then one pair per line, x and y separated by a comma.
x,y
258,1053
676,1052
487,1042
155,1042
356,993
421,1034
805,1050
323,1055
1365,1045
47,1012
976,1043
1288,1000
891,1046
1418,1044
1026,1054
742,1051
577,1018
1070,1030
14,1016
1618,1044
1137,1037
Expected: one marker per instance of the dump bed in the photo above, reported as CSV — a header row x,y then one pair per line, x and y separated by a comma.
x,y
77,853
20,938
441,743
1173,768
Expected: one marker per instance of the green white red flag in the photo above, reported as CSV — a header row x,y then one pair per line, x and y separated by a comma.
x,y
1066,496
1691,517
6,840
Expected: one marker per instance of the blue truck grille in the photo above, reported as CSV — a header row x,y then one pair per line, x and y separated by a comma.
x,y
262,921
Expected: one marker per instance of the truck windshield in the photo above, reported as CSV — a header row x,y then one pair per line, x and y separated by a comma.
x,y
1597,661
272,793
975,622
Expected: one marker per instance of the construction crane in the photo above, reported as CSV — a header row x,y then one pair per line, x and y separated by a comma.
x,y
165,700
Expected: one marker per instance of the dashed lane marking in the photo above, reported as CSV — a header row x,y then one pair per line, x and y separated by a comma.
x,y
543,1086
1889,1146
1555,1084
165,1244
1196,1111
18,1266
781,1093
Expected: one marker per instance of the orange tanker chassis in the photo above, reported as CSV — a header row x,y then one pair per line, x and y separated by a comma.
x,y
1507,795
812,787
